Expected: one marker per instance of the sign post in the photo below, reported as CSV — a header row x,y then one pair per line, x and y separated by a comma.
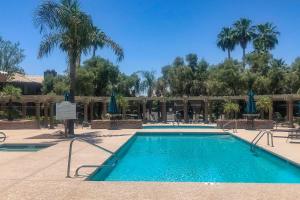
x,y
65,111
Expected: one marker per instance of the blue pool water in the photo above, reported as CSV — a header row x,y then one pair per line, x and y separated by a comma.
x,y
176,127
195,158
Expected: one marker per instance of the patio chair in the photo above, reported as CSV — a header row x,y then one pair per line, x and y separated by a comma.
x,y
293,134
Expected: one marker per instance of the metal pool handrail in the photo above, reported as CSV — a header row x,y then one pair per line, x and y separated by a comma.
x,y
70,152
259,136
2,137
234,129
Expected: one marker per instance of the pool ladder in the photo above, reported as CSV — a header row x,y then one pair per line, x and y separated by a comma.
x,y
259,136
83,166
228,123
2,137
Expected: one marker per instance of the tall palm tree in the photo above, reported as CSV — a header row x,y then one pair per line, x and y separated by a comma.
x,y
244,34
227,40
266,37
148,83
64,25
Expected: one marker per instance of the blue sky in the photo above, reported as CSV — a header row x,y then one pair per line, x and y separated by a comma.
x,y
154,32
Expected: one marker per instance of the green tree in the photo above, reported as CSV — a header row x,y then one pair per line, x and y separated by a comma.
x,y
264,104
259,62
148,83
106,75
244,34
63,24
231,108
122,104
276,74
265,37
226,79
11,55
11,93
192,61
227,40
84,82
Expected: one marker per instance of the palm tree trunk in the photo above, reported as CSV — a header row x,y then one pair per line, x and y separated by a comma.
x,y
73,59
229,56
9,117
244,58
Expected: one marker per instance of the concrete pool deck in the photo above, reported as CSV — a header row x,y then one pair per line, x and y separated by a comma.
x,y
42,174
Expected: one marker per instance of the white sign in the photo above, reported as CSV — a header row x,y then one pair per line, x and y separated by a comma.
x,y
65,110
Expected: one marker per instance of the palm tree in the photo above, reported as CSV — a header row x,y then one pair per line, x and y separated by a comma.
x,y
123,104
244,34
148,83
264,104
11,92
266,37
231,108
227,40
64,25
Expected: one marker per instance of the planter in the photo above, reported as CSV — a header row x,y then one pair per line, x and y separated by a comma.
x,y
246,124
117,124
18,124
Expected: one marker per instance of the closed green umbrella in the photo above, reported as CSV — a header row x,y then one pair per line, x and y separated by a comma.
x,y
112,107
251,107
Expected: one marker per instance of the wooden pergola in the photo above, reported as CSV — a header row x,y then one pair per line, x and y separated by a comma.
x,y
47,102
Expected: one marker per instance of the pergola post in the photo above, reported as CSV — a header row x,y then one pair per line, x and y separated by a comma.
x,y
164,111
91,110
46,115
185,110
104,109
206,110
24,110
144,110
51,115
85,112
37,112
139,110
290,108
271,112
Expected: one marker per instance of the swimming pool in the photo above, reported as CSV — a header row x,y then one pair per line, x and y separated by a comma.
x,y
23,147
194,158
177,127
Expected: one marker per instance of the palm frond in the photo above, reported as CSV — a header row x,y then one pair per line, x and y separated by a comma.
x,y
46,16
47,44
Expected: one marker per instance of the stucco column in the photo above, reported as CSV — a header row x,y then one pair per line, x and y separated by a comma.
x,y
163,111
2,106
104,108
290,106
85,112
24,110
46,120
185,111
206,110
91,110
139,110
37,112
271,112
51,115
144,110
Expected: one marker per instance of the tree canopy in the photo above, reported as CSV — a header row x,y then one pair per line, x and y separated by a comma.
x,y
11,55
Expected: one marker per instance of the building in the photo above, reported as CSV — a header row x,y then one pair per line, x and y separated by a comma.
x,y
30,84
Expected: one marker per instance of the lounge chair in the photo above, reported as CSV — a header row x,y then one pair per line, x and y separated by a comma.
x,y
293,134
